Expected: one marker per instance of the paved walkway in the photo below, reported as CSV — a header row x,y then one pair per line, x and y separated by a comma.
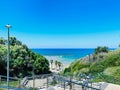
x,y
41,83
109,86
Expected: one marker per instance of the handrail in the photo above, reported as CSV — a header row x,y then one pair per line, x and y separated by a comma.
x,y
2,76
61,78
64,79
25,79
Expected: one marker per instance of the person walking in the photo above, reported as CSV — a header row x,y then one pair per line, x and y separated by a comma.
x,y
85,84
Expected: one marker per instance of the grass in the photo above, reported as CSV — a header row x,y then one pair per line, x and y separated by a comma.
x,y
113,71
104,66
11,83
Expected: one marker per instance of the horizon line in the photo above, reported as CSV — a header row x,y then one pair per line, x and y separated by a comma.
x,y
71,48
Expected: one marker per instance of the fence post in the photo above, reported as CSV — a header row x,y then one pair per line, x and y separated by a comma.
x,y
47,81
100,87
70,83
0,79
91,85
19,82
64,85
61,83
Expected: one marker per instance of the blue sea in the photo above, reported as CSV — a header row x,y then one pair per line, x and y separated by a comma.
x,y
65,56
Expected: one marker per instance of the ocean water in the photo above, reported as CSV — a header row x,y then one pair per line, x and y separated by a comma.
x,y
65,56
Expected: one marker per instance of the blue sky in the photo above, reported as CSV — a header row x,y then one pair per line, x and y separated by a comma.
x,y
62,23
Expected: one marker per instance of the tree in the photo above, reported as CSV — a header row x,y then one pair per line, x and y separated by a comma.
x,y
14,41
51,61
41,65
59,64
101,49
56,63
20,55
2,41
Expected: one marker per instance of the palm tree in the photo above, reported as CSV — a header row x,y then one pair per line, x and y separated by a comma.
x,y
51,61
56,63
59,64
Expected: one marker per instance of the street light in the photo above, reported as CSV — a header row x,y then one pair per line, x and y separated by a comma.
x,y
8,55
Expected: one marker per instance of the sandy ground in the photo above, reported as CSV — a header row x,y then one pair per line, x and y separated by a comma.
x,y
55,69
39,83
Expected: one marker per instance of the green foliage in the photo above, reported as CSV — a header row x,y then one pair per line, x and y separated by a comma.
x,y
59,64
2,89
2,41
107,63
41,65
67,71
97,67
12,83
51,61
14,41
56,63
76,67
106,78
112,71
31,88
101,49
112,59
20,56
84,70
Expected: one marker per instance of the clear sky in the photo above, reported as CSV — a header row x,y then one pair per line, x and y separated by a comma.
x,y
62,23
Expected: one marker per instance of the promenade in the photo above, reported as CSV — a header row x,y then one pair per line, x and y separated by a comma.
x,y
43,82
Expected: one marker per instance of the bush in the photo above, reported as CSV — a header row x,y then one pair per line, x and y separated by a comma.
x,y
101,49
113,71
20,56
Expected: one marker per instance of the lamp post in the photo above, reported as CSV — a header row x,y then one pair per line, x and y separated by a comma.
x,y
8,55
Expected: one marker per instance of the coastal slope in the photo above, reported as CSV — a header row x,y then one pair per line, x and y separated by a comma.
x,y
104,65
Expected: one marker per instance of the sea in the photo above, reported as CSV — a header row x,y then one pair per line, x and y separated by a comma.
x,y
66,56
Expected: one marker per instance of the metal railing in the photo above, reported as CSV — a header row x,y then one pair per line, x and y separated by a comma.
x,y
65,82
14,83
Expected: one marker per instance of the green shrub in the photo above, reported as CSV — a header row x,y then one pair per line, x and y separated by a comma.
x,y
112,71
20,56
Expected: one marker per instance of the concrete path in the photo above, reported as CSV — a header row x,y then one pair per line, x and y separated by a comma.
x,y
109,86
41,83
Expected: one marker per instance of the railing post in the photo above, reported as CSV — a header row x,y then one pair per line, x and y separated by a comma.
x,y
82,87
33,83
73,86
61,83
19,82
64,85
70,84
91,85
47,81
0,79
100,87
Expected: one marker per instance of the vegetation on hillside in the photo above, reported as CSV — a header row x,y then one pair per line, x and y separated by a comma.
x,y
103,64
20,58
101,49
